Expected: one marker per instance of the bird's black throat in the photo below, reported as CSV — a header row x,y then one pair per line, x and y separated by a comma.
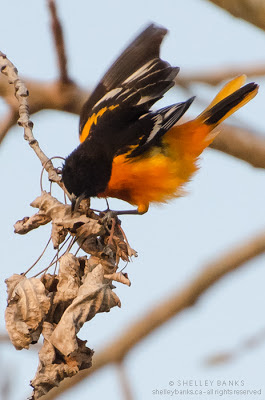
x,y
87,169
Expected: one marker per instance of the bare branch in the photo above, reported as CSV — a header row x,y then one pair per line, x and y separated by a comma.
x,y
7,122
252,11
4,338
59,42
228,356
215,76
235,141
241,143
47,95
181,300
124,382
21,93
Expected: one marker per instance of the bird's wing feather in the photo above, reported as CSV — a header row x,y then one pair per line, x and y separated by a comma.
x,y
136,80
143,48
152,126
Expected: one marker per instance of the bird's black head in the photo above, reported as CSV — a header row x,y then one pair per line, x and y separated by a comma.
x,y
87,171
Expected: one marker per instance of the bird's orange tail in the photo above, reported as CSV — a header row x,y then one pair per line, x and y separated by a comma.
x,y
194,136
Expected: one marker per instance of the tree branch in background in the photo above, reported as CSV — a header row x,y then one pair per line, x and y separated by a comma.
x,y
7,122
241,143
117,350
252,11
21,94
215,76
228,356
124,382
235,141
43,96
57,31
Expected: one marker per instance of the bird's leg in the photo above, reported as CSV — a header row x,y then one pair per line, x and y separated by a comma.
x,y
141,209
108,209
128,212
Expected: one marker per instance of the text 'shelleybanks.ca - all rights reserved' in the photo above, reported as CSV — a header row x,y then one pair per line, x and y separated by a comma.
x,y
181,388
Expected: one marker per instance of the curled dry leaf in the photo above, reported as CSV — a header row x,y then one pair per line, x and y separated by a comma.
x,y
58,235
63,220
90,245
61,214
50,282
69,281
27,224
58,305
53,367
27,307
119,277
93,296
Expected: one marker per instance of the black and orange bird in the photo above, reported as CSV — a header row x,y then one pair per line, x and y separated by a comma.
x,y
132,153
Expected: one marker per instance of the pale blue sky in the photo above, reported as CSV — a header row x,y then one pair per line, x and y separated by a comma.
x,y
225,203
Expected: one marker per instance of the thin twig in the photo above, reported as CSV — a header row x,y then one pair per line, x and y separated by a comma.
x,y
59,42
38,259
181,300
56,257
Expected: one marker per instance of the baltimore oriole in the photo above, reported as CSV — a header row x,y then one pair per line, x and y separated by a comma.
x,y
134,154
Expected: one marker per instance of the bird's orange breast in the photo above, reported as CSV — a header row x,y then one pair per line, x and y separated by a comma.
x,y
156,177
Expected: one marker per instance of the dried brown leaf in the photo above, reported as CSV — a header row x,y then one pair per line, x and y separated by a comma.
x,y
47,354
50,377
11,283
90,228
27,306
69,279
50,282
62,215
93,296
58,235
27,224
119,277
91,245
53,367
82,357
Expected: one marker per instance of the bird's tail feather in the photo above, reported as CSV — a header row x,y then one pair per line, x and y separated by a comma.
x,y
194,136
230,98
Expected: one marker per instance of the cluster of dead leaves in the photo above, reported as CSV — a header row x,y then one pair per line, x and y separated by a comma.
x,y
57,306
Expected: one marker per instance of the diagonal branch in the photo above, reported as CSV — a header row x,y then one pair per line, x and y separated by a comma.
x,y
238,142
59,42
228,356
21,94
252,11
124,382
181,300
241,143
215,76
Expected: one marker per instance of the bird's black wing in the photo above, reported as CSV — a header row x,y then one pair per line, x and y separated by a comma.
x,y
144,48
